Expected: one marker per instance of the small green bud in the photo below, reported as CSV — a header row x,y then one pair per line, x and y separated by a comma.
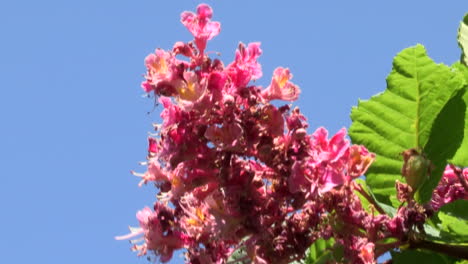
x,y
416,168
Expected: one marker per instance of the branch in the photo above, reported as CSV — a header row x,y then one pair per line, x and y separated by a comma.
x,y
451,250
380,249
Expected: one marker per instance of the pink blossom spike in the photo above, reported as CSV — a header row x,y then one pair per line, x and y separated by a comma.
x,y
234,171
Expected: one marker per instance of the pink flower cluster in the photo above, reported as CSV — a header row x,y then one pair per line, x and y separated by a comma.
x,y
450,188
236,172
233,169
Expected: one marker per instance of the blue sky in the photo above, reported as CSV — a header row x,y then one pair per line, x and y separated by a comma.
x,y
74,122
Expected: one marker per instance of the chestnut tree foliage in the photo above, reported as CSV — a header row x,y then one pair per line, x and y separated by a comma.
x,y
240,180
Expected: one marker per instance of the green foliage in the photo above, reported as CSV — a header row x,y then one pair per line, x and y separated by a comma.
x,y
320,252
239,256
403,116
450,225
389,210
418,256
423,108
453,222
460,157
455,226
458,208
364,201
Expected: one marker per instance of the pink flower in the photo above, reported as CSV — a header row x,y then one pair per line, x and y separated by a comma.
x,y
245,66
359,161
449,189
200,25
217,81
281,88
197,221
404,191
331,162
154,173
152,146
329,150
159,66
296,120
183,48
330,178
247,59
329,158
171,114
366,253
178,188
158,235
226,137
272,120
142,217
191,89
298,181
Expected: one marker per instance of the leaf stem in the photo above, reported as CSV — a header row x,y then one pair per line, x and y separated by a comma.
x,y
359,188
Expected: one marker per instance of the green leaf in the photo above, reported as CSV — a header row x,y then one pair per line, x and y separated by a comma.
x,y
463,39
432,232
446,140
389,210
239,256
402,117
364,202
321,251
458,208
453,224
417,256
460,158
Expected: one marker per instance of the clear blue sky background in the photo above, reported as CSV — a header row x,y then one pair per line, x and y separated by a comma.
x,y
73,121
